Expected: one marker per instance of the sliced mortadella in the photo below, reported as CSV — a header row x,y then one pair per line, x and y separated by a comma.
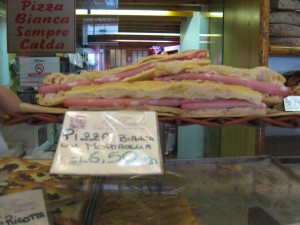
x,y
122,102
54,88
107,79
273,89
216,104
124,74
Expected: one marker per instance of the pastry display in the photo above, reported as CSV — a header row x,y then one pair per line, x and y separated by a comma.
x,y
144,210
145,200
67,196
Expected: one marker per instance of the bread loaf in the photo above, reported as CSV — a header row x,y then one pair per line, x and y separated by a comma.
x,y
285,41
285,30
285,4
285,17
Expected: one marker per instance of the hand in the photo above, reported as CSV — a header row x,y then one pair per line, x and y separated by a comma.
x,y
9,101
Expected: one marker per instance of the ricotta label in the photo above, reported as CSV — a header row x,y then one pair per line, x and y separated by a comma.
x,y
26,207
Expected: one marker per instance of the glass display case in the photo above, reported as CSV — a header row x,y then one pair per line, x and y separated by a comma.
x,y
228,190
238,190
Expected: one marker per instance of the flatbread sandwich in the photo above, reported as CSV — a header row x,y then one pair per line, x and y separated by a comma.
x,y
141,70
180,87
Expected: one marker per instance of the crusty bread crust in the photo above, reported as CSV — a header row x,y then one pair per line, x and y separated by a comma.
x,y
159,109
60,78
272,100
145,75
262,73
237,111
172,111
155,58
51,99
162,89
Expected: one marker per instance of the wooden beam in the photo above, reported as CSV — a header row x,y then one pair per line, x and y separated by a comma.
x,y
264,31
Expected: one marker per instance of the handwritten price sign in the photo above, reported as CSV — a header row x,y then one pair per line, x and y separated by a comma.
x,y
108,143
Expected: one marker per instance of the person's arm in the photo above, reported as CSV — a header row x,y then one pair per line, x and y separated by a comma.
x,y
9,101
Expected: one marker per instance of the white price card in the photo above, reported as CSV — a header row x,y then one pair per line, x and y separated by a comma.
x,y
108,143
292,103
26,207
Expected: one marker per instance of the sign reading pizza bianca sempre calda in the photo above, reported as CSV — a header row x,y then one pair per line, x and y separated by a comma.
x,y
41,26
108,143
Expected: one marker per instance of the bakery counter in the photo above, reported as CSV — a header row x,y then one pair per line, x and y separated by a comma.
x,y
69,199
243,191
240,190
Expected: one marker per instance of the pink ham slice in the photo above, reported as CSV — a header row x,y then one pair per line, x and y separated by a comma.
x,y
54,88
124,74
128,73
273,89
217,104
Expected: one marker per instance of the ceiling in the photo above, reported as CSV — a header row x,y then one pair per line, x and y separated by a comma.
x,y
154,24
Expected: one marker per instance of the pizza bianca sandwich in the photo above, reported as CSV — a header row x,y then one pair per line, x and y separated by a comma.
x,y
185,98
263,79
141,70
185,84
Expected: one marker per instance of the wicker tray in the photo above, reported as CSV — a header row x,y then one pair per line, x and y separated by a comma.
x,y
281,119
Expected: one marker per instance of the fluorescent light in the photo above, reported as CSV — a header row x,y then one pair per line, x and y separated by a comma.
x,y
155,41
138,34
172,48
212,14
117,12
81,11
210,35
147,34
128,12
